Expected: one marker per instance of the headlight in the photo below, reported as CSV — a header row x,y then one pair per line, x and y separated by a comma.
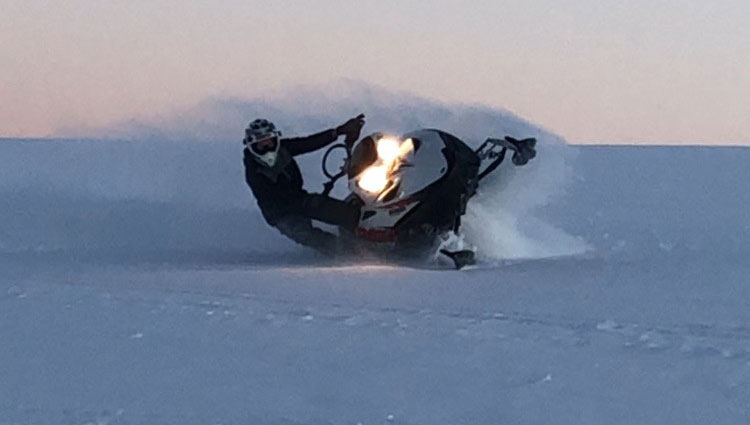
x,y
374,179
388,150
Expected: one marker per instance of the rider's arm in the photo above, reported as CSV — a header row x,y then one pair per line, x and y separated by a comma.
x,y
273,203
301,145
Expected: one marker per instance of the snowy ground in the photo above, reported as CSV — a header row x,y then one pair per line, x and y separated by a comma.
x,y
120,304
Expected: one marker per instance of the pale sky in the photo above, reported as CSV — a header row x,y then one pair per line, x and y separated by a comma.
x,y
589,70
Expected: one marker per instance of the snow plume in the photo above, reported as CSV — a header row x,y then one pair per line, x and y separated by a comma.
x,y
186,170
502,219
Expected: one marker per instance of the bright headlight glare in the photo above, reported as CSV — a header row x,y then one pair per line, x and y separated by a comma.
x,y
388,149
374,179
406,148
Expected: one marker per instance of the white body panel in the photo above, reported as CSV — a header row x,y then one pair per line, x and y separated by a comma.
x,y
419,169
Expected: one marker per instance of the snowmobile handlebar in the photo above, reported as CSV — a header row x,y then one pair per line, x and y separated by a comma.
x,y
332,178
494,150
351,137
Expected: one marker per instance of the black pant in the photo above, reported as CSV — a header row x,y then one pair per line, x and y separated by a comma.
x,y
331,211
328,210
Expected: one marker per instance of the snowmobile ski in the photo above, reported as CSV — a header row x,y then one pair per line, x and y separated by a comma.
x,y
462,258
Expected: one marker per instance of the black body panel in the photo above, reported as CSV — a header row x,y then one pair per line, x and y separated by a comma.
x,y
443,202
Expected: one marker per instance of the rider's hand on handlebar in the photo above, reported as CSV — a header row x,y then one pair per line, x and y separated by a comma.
x,y
351,128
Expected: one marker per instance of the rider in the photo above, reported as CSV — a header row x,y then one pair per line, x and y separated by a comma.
x,y
276,181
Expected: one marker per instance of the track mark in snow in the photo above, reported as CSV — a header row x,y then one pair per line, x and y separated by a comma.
x,y
16,292
690,339
653,340
607,326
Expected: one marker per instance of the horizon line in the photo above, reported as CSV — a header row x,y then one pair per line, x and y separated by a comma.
x,y
719,144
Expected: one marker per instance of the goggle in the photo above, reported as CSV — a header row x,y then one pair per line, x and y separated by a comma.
x,y
268,144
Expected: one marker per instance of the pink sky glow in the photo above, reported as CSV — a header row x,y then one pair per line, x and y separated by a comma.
x,y
590,70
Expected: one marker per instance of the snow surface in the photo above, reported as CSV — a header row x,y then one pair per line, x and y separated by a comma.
x,y
139,285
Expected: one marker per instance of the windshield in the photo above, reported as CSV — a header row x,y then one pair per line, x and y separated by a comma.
x,y
364,154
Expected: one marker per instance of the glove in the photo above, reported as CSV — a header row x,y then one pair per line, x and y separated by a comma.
x,y
352,128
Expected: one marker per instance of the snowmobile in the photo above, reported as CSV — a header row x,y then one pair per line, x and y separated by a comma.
x,y
414,188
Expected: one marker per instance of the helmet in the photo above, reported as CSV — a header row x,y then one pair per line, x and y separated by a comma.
x,y
262,141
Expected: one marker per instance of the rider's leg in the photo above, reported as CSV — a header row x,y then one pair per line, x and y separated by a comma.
x,y
332,211
301,230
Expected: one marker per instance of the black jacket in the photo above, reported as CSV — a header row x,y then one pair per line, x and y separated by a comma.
x,y
278,189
